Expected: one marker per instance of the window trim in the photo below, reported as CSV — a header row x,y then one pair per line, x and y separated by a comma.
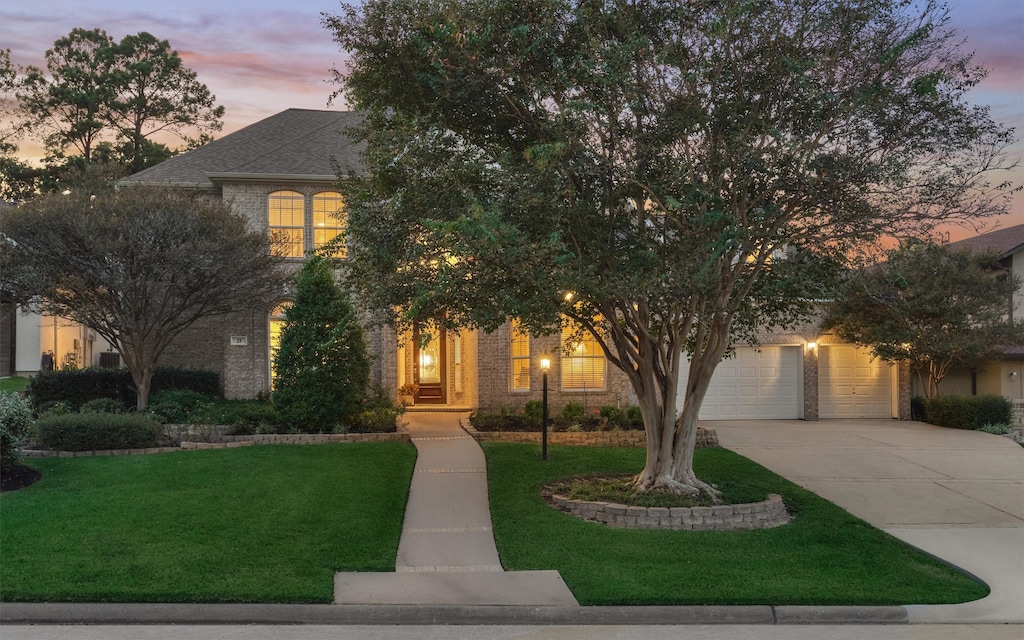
x,y
280,196
571,363
518,335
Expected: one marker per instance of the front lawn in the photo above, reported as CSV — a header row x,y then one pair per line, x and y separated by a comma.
x,y
253,524
824,557
8,385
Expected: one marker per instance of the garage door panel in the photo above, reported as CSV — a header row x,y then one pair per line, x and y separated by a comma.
x,y
852,385
754,384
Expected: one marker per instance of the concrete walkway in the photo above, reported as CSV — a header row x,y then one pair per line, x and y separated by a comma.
x,y
958,495
447,555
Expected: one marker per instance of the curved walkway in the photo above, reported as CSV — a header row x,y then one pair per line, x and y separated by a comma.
x,y
447,555
957,495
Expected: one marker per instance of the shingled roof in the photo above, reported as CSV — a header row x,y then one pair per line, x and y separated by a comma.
x,y
1005,242
297,143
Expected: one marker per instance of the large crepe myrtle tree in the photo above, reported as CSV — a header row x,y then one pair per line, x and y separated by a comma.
x,y
671,176
138,266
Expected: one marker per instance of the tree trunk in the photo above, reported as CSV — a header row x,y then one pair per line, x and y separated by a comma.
x,y
142,379
671,441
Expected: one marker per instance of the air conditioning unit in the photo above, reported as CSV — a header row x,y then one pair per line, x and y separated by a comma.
x,y
110,360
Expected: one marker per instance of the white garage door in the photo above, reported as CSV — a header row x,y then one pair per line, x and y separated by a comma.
x,y
852,385
754,384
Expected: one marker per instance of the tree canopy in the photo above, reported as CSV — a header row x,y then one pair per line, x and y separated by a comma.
x,y
672,176
97,91
138,266
934,306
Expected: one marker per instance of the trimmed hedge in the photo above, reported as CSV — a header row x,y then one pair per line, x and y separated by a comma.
x,y
15,421
97,431
967,412
78,386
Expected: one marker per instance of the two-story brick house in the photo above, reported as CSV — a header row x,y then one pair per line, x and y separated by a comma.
x,y
281,173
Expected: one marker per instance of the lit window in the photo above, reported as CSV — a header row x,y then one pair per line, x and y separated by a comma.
x,y
519,355
583,363
328,220
286,217
277,319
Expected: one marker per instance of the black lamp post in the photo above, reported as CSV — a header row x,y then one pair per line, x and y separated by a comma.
x,y
545,365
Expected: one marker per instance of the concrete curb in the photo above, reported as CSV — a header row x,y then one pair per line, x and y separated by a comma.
x,y
172,613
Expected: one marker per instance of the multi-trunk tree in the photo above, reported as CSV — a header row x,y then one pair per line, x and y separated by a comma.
x,y
138,266
671,176
930,305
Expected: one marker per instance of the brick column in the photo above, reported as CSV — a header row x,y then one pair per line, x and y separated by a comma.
x,y
810,383
903,387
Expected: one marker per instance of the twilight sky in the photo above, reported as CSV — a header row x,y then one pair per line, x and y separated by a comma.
x,y
260,57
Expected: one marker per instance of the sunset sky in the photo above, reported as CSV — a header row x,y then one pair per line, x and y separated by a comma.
x,y
260,57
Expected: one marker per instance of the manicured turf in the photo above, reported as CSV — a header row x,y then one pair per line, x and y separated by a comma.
x,y
13,384
254,524
825,556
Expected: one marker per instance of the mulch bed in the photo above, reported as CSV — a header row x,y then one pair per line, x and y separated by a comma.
x,y
18,476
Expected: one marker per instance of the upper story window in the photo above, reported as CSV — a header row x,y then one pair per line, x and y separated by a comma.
x,y
287,220
583,363
328,220
519,357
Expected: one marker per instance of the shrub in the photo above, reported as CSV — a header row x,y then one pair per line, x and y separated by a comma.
x,y
243,416
177,406
53,408
102,405
533,413
379,414
97,431
573,413
76,387
997,429
502,420
917,408
322,367
15,422
967,412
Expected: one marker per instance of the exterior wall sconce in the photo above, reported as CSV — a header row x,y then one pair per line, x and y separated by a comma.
x,y
1013,374
545,366
812,346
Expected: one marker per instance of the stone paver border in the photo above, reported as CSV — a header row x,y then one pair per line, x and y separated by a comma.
x,y
725,517
230,442
705,437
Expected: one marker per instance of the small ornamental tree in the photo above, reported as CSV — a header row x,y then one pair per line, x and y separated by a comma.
x,y
138,266
322,366
931,305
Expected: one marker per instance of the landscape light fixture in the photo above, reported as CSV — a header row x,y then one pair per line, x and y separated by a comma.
x,y
545,366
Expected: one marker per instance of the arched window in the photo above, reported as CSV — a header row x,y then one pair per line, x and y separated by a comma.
x,y
329,220
583,363
277,319
286,217
519,357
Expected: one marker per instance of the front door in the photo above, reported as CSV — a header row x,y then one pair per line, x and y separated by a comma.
x,y
429,364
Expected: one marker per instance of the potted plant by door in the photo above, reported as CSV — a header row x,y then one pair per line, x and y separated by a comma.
x,y
407,393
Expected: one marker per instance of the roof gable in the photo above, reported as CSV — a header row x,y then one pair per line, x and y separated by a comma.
x,y
295,142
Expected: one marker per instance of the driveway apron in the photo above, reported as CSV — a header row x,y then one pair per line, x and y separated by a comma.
x,y
957,495
447,553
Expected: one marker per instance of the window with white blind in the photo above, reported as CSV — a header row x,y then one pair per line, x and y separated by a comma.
x,y
328,220
286,211
519,357
583,362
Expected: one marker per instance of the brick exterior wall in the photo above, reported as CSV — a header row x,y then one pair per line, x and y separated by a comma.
x,y
495,385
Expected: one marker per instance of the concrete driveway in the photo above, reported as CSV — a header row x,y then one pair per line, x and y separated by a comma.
x,y
955,494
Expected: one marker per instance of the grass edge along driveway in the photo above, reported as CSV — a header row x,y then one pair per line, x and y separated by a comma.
x,y
270,523
825,556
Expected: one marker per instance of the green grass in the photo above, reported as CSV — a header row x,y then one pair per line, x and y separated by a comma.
x,y
825,556
13,384
253,524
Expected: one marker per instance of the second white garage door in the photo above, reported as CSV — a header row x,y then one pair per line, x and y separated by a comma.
x,y
754,384
852,385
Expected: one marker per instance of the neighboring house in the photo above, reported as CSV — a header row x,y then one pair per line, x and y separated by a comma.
x,y
281,174
1004,376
